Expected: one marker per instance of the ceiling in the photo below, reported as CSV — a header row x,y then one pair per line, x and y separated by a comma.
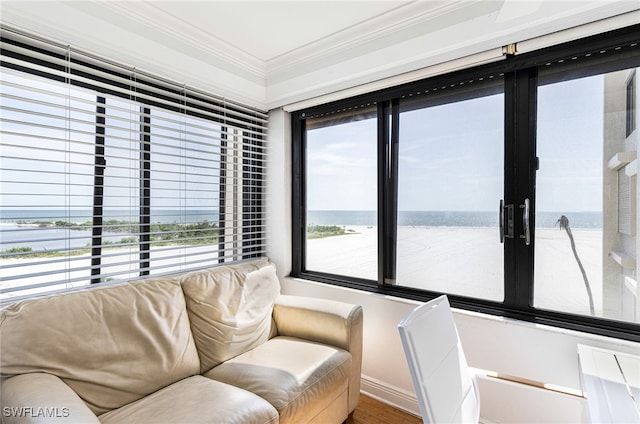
x,y
275,28
270,53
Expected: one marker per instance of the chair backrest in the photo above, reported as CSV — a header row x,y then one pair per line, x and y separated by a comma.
x,y
445,388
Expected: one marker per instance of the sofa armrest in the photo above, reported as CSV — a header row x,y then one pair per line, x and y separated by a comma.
x,y
42,398
324,321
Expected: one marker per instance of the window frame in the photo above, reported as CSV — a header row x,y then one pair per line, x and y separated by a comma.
x,y
520,90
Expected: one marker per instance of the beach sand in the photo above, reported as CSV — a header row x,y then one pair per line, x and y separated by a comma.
x,y
469,261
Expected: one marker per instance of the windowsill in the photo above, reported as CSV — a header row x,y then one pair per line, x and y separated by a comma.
x,y
618,343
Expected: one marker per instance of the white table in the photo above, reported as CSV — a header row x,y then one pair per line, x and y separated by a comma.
x,y
611,382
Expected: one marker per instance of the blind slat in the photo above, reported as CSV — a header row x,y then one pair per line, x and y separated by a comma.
x,y
170,179
62,50
127,272
134,87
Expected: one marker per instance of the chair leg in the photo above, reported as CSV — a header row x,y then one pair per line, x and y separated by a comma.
x,y
349,419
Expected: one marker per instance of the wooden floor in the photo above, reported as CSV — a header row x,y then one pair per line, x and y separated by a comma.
x,y
371,411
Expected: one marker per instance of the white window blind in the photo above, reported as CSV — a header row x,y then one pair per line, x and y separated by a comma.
x,y
110,174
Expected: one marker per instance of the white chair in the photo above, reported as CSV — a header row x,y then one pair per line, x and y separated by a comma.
x,y
446,389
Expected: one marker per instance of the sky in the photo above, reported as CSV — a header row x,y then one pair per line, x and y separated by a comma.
x,y
451,156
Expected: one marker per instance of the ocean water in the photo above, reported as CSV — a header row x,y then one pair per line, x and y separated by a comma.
x,y
15,231
164,216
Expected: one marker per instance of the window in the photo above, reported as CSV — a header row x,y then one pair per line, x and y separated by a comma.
x,y
450,181
108,174
569,191
631,113
342,195
511,187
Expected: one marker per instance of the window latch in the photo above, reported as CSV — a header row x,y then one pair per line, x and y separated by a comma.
x,y
506,221
525,222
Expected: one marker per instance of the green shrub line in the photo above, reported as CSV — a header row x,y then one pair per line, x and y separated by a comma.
x,y
28,252
322,231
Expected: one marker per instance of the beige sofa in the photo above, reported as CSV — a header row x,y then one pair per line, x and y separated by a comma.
x,y
216,346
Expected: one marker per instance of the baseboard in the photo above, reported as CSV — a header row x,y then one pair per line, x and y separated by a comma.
x,y
389,394
504,401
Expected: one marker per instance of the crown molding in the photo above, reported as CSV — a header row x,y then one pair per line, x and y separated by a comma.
x,y
102,35
374,29
146,13
413,35
356,69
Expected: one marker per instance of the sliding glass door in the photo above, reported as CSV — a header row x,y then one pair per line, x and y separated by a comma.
x,y
450,182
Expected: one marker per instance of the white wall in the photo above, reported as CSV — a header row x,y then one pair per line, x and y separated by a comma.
x,y
279,191
509,347
430,36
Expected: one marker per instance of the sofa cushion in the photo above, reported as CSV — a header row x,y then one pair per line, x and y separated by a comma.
x,y
299,378
196,400
112,345
230,308
39,398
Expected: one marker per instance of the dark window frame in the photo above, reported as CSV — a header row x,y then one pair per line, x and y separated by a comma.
x,y
521,79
